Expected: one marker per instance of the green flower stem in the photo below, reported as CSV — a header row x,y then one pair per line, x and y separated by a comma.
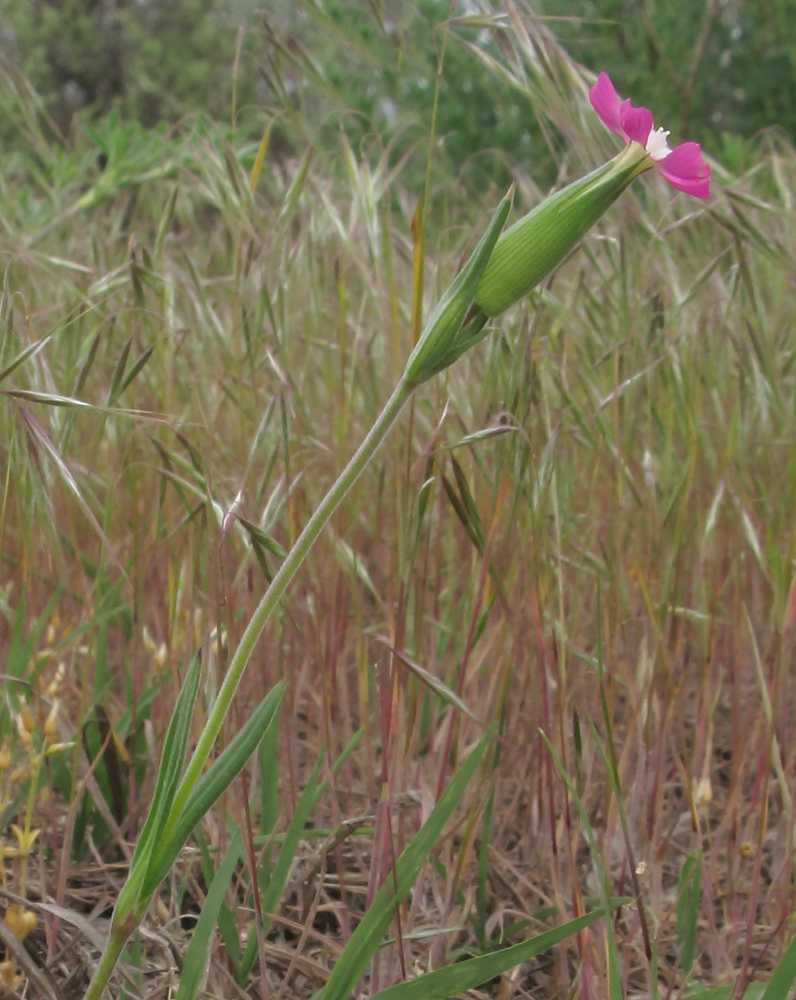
x,y
125,922
107,963
278,586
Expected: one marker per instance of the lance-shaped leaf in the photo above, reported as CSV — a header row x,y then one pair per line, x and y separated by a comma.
x,y
172,760
196,955
456,979
222,772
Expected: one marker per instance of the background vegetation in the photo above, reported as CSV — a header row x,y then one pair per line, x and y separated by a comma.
x,y
719,71
585,527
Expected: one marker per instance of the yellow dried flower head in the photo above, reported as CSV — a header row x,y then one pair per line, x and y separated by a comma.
x,y
5,757
10,979
20,920
53,627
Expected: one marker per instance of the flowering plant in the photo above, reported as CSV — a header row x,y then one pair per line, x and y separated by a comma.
x,y
533,247
503,267
683,167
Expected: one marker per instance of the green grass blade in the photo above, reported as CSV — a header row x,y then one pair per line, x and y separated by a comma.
x,y
688,910
22,357
367,938
172,759
475,972
442,342
754,991
225,919
781,981
118,374
139,364
196,955
269,779
276,884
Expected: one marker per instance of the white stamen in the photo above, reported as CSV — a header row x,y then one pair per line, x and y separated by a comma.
x,y
657,147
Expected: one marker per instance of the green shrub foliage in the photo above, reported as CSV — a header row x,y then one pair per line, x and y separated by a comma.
x,y
717,72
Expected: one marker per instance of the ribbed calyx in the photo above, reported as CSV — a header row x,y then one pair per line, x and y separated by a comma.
x,y
533,247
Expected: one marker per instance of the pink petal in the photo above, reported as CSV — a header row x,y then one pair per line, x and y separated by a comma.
x,y
605,101
636,122
685,169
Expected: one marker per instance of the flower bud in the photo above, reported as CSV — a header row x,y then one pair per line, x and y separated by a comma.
x,y
533,247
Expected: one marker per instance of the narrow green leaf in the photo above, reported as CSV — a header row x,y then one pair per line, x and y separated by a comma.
x,y
139,364
430,680
690,895
366,939
469,503
440,343
461,513
781,981
118,374
172,760
165,222
754,991
86,366
70,402
209,789
470,334
22,357
196,955
296,187
279,876
225,921
269,778
474,972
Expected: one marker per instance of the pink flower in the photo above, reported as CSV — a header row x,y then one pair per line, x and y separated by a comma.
x,y
683,167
